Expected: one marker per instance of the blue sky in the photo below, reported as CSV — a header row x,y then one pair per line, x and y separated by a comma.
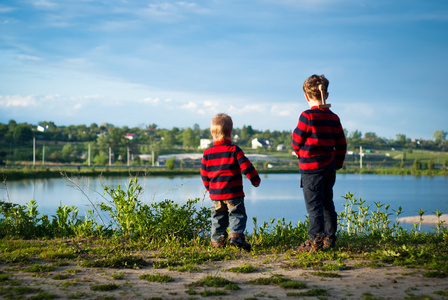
x,y
178,63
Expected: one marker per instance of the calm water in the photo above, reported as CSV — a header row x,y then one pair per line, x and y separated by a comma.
x,y
278,196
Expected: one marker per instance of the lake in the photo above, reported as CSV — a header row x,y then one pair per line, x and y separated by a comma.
x,y
279,195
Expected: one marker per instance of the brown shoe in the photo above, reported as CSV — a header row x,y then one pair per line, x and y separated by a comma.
x,y
328,243
221,243
309,246
239,240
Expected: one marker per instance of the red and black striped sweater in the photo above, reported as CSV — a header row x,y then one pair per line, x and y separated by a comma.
x,y
319,140
221,170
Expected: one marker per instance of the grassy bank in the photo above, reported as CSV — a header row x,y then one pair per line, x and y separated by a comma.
x,y
122,243
146,250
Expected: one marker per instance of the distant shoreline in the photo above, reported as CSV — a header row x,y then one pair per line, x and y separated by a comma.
x,y
431,220
52,171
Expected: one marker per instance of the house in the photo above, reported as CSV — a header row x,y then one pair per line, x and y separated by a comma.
x,y
42,128
281,147
205,143
261,143
130,136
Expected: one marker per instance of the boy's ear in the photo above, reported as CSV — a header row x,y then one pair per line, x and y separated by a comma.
x,y
307,98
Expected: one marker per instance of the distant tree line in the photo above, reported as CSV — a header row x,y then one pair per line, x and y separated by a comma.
x,y
70,144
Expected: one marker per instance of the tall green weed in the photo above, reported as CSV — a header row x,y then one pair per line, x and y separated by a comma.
x,y
160,221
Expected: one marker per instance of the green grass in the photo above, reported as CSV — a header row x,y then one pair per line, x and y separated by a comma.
x,y
310,293
211,281
275,279
39,268
157,278
326,274
117,262
292,284
104,287
246,268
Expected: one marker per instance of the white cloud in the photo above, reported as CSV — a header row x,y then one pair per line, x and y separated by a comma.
x,y
6,9
17,101
169,12
283,110
28,57
44,4
190,106
149,100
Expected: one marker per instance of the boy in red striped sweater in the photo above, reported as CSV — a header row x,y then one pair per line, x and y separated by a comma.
x,y
221,170
319,143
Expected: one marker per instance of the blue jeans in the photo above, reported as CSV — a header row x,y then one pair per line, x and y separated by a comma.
x,y
318,194
228,213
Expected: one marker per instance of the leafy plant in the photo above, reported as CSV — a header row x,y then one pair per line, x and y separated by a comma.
x,y
161,221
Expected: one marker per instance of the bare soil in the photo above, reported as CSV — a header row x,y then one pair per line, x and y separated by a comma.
x,y
357,282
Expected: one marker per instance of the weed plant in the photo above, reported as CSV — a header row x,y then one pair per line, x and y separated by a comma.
x,y
247,268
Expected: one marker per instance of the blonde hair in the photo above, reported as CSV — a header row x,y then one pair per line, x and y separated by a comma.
x,y
221,127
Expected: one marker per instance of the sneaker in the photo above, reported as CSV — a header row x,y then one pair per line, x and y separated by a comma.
x,y
240,243
221,243
239,240
309,246
328,243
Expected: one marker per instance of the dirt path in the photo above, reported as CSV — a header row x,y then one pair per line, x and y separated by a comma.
x,y
357,282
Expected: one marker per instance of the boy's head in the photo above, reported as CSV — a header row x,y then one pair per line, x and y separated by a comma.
x,y
311,87
221,127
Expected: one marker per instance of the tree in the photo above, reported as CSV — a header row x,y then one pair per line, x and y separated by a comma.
x,y
168,138
115,140
439,136
188,138
370,135
170,163
417,164
22,134
356,135
101,159
3,130
246,132
431,164
68,151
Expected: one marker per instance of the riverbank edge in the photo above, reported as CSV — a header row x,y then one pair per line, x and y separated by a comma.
x,y
18,173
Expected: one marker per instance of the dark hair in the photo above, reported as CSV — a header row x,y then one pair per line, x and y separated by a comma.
x,y
311,86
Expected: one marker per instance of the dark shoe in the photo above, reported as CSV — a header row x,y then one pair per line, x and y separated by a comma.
x,y
309,246
239,240
328,243
242,244
221,243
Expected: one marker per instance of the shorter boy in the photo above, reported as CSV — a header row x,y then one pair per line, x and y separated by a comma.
x,y
221,169
319,143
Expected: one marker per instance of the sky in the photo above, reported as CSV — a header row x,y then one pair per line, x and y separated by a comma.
x,y
178,63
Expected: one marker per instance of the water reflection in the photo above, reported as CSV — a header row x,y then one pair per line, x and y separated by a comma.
x,y
279,195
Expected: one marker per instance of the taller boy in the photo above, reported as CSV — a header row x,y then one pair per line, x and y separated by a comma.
x,y
319,143
221,170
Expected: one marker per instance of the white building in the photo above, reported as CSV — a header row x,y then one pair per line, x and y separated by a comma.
x,y
258,143
205,143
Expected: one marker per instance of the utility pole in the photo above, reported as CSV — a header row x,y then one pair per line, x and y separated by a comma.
x,y
152,154
34,151
88,160
128,156
360,157
43,155
110,156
